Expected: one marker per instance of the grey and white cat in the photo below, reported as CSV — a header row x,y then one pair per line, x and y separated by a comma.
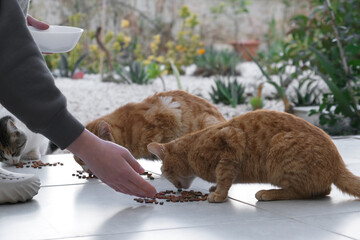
x,y
17,142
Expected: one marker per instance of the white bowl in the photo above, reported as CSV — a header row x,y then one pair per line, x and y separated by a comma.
x,y
56,39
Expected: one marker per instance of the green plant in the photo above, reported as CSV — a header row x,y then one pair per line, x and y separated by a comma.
x,y
214,62
176,73
136,73
329,37
227,92
155,71
256,103
280,87
68,65
180,49
311,97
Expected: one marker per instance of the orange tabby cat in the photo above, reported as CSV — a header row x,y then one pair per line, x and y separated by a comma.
x,y
258,147
159,118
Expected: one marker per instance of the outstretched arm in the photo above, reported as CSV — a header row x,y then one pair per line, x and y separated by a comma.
x,y
27,89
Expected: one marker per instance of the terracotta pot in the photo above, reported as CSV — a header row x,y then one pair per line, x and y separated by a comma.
x,y
252,46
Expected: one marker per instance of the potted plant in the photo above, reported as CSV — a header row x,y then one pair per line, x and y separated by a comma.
x,y
237,8
306,100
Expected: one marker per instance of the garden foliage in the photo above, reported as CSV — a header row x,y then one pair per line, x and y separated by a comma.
x,y
326,42
227,91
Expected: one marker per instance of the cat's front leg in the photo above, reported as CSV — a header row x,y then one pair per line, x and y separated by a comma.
x,y
225,175
32,155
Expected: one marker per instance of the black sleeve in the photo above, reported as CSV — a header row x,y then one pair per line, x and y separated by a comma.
x,y
27,87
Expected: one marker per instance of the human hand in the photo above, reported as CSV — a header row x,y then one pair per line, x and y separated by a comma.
x,y
36,23
112,164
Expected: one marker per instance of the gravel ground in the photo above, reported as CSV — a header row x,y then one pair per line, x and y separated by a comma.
x,y
90,98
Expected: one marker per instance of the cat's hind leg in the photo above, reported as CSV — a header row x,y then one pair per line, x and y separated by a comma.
x,y
225,175
277,194
294,164
287,194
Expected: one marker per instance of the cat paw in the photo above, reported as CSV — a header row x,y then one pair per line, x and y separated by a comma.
x,y
32,155
212,188
262,195
216,198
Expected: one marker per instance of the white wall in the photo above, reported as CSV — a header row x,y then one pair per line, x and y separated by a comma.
x,y
221,30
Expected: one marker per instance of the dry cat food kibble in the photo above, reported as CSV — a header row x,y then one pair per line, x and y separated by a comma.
x,y
83,175
37,164
171,196
149,175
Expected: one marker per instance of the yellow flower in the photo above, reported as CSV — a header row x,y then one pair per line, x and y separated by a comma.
x,y
147,62
160,59
150,58
120,37
169,44
183,49
157,38
127,40
93,47
154,46
165,72
109,35
179,47
117,46
201,51
125,23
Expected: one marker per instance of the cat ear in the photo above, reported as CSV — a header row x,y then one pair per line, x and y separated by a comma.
x,y
157,149
105,131
11,125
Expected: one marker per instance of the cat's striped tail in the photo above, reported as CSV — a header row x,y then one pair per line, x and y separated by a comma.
x,y
348,182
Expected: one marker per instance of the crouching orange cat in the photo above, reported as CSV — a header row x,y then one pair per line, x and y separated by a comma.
x,y
258,147
159,118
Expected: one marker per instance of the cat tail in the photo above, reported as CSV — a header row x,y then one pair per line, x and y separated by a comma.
x,y
348,182
52,147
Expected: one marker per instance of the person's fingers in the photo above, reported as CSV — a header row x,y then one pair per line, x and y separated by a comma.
x,y
133,162
36,23
143,186
131,188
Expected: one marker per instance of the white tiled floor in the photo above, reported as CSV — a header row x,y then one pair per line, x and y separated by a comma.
x,y
71,208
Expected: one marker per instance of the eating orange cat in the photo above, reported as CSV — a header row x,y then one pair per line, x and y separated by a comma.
x,y
159,118
258,147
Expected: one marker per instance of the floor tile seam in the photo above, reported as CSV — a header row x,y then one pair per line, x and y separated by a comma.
x,y
70,184
295,219
323,228
325,214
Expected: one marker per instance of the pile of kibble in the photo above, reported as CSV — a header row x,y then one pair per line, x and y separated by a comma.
x,y
83,175
37,164
174,197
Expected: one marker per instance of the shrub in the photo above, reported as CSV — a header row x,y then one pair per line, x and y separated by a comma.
x,y
326,42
